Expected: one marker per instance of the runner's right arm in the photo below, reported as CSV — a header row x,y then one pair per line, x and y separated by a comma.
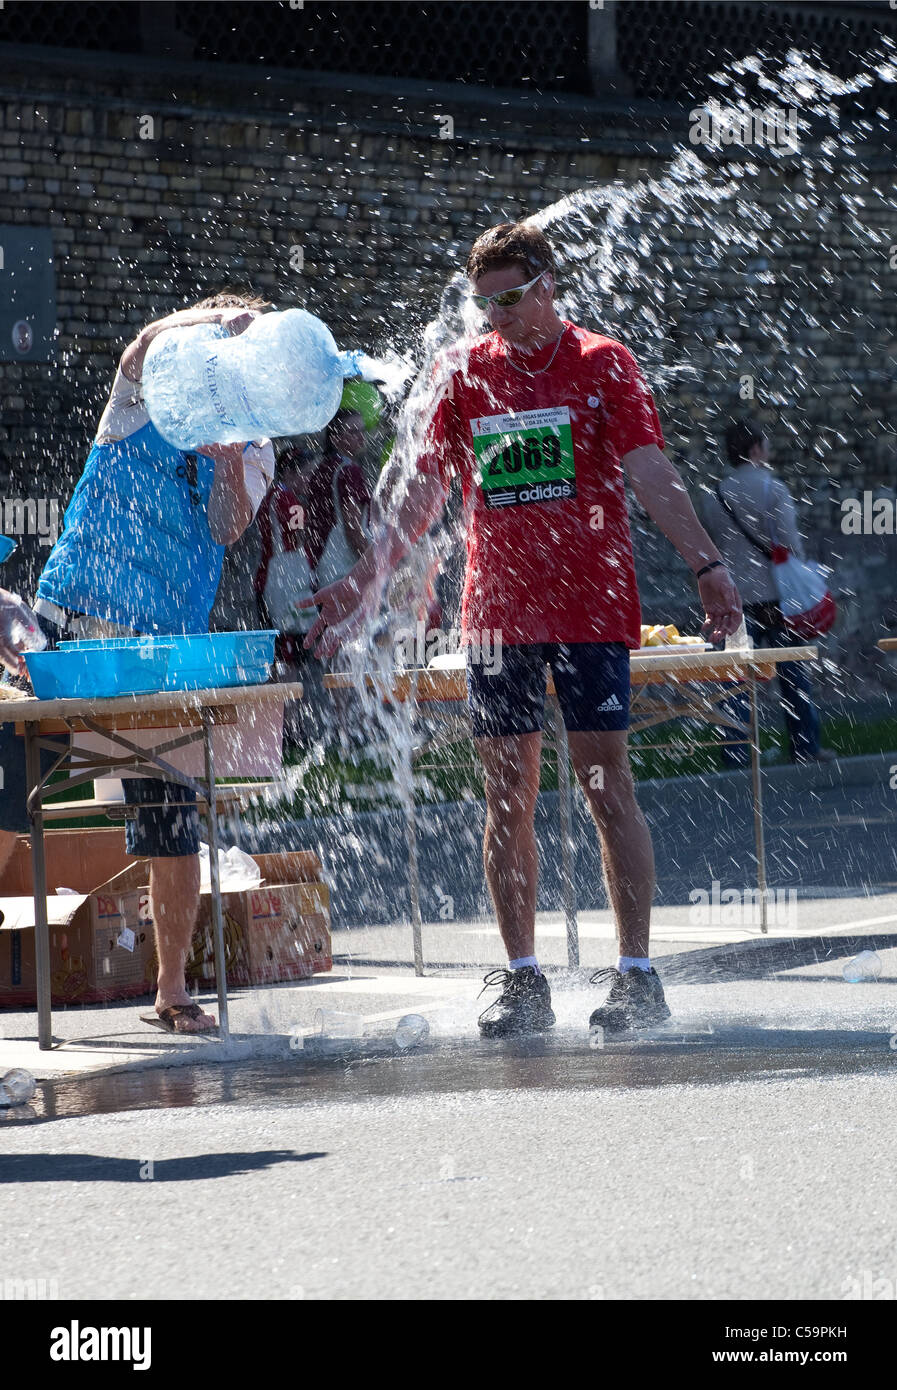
x,y
347,604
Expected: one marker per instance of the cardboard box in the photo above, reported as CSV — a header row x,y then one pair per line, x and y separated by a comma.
x,y
91,961
271,933
78,859
280,931
251,746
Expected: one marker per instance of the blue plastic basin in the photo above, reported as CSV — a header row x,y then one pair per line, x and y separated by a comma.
x,y
95,672
203,661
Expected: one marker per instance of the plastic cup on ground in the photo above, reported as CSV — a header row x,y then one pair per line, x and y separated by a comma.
x,y
334,1032
864,968
16,1087
331,1024
411,1030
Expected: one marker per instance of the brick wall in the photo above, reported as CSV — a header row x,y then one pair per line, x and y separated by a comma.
x,y
239,167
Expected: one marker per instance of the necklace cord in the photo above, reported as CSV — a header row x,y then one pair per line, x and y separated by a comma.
x,y
539,370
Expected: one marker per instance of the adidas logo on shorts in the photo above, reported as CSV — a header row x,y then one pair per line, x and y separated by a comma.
x,y
611,703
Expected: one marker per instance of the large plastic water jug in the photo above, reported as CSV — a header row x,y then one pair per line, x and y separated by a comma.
x,y
283,375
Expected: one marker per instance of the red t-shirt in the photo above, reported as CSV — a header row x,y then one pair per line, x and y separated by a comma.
x,y
549,554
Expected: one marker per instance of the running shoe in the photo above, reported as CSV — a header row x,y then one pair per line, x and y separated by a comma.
x,y
524,1005
635,1000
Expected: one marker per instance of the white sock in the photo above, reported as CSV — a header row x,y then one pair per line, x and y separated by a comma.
x,y
629,962
525,960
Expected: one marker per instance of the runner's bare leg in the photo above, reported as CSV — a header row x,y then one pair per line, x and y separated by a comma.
x,y
626,849
510,855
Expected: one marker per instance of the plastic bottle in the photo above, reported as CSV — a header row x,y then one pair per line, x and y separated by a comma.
x,y
284,375
26,636
16,1087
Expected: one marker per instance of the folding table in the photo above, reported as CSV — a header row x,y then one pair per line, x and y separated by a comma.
x,y
702,682
183,718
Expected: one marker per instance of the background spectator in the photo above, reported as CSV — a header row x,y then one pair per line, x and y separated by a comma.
x,y
752,505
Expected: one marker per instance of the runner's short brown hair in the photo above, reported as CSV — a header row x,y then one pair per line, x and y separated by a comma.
x,y
510,243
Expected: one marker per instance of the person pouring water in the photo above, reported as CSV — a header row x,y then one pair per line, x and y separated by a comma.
x,y
748,512
141,552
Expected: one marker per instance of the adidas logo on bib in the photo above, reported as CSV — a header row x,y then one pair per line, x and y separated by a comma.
x,y
611,703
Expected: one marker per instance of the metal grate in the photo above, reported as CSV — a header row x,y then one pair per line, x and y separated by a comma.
x,y
540,46
502,45
101,27
665,48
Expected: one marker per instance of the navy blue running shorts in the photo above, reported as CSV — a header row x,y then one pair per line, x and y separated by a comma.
x,y
591,680
160,832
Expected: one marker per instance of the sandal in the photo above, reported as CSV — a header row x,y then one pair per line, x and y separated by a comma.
x,y
167,1020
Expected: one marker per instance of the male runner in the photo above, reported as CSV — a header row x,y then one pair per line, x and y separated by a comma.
x,y
537,427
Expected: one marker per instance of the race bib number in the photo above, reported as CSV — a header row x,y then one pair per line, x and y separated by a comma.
x,y
526,457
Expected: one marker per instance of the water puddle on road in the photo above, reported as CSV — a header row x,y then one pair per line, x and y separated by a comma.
x,y
375,1069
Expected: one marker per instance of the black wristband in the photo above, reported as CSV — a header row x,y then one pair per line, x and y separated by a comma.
x,y
714,564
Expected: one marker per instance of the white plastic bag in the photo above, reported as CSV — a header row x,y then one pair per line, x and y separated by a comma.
x,y
236,870
802,585
804,598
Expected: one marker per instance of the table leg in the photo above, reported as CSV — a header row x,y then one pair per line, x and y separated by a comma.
x,y
39,886
413,872
217,918
757,787
568,848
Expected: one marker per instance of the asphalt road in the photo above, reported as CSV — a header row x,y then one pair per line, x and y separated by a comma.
x,y
746,1153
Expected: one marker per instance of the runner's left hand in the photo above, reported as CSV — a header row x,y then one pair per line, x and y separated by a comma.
x,y
722,604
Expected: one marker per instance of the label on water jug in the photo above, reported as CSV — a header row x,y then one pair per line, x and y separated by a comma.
x,y
211,375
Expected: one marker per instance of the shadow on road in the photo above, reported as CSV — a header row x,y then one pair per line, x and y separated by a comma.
x,y
68,1167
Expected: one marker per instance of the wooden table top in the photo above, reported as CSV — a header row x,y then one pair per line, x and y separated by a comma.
x,y
668,667
163,709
